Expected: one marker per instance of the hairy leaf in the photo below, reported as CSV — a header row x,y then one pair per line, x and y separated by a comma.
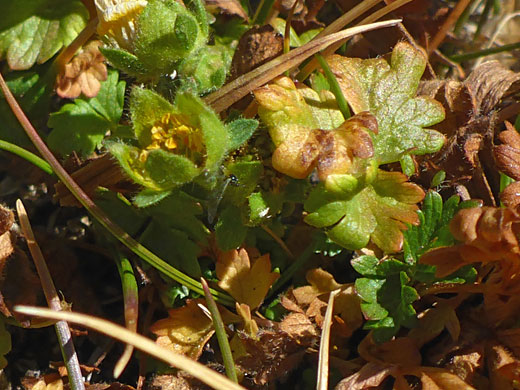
x,y
34,31
388,91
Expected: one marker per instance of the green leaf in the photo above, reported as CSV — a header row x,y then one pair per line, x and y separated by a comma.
x,y
377,211
433,230
167,33
229,230
209,67
168,170
367,288
174,246
365,265
33,89
373,311
388,91
240,131
148,197
215,134
125,61
33,31
80,127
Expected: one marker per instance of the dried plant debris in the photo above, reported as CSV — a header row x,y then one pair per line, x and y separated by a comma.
x,y
83,74
470,124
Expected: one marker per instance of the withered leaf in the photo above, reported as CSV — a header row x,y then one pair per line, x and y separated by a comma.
x,y
257,46
309,132
488,234
186,330
83,74
230,7
247,283
507,155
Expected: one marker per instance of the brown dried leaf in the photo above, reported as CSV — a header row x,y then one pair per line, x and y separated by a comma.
x,y
440,379
299,327
487,234
186,330
370,376
402,351
490,83
257,46
229,7
321,282
247,283
503,367
83,74
250,325
270,357
507,155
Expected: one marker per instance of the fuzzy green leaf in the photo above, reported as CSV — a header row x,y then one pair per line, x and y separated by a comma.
x,y
240,130
80,127
34,30
388,91
375,211
167,33
125,62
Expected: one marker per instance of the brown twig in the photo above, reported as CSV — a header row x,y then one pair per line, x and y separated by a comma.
x,y
447,25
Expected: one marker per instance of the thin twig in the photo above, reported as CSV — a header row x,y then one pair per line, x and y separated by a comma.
x,y
196,369
447,25
53,300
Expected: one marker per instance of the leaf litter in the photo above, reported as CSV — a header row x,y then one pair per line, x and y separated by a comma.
x,y
408,208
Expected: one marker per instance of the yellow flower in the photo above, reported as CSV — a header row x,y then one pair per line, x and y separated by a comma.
x,y
117,21
173,133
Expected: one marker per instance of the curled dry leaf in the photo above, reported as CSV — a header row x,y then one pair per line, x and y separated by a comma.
x,y
248,282
270,357
507,155
470,122
347,310
83,74
487,234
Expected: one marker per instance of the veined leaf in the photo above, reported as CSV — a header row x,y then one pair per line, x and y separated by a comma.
x,y
33,31
374,211
388,91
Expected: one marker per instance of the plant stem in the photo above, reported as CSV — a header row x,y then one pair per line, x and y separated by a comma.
x,y
485,52
26,155
131,304
334,86
62,328
99,214
220,330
